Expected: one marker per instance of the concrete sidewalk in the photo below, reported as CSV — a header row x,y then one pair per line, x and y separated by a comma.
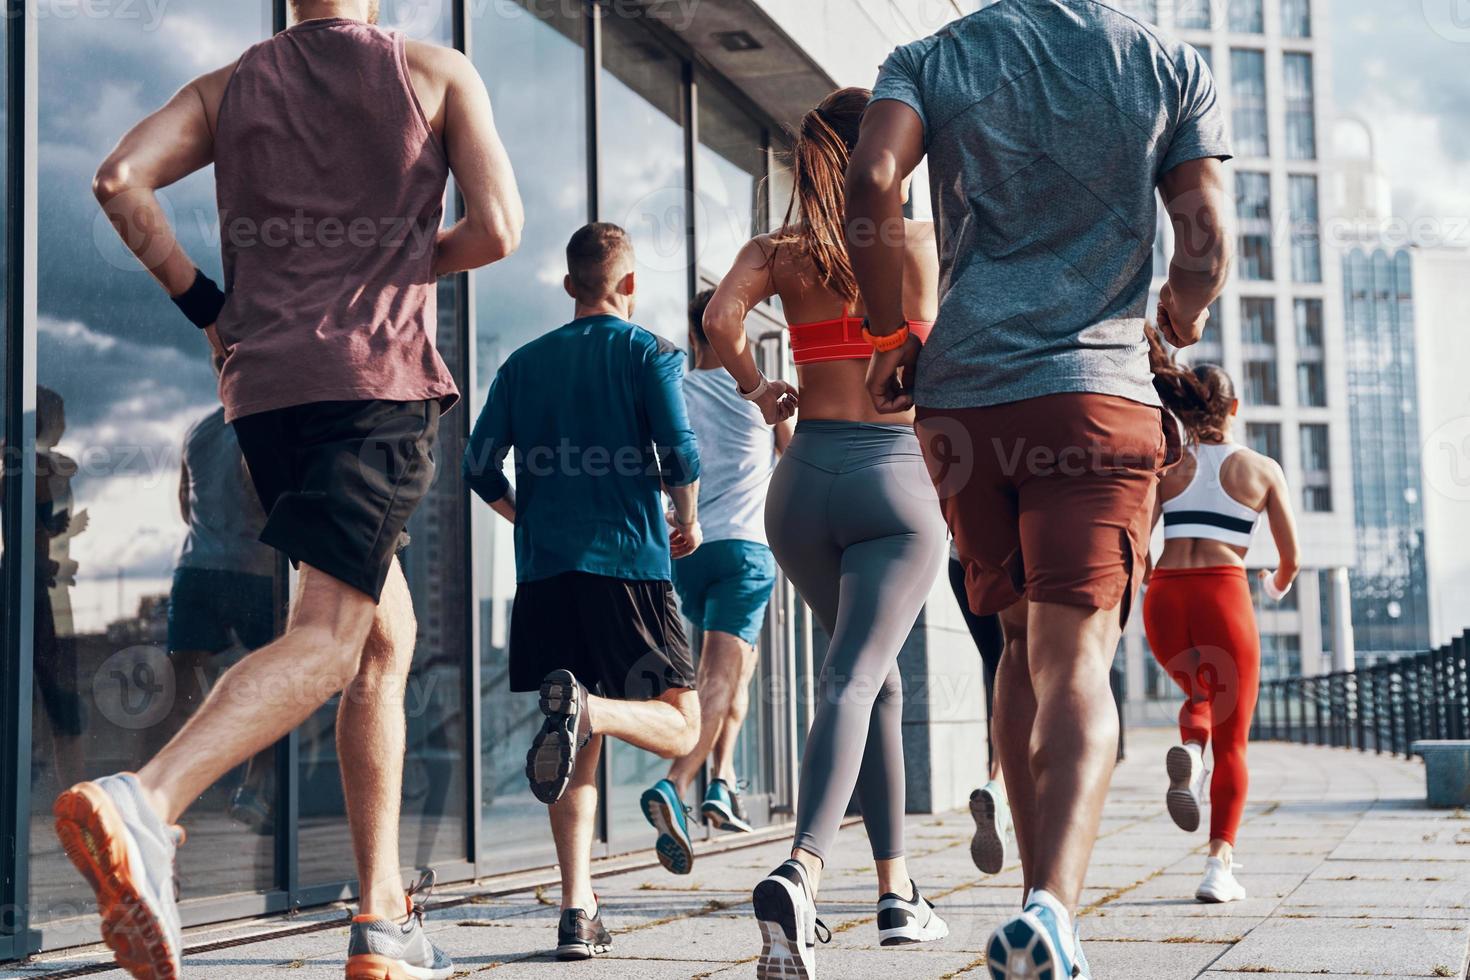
x,y
1349,875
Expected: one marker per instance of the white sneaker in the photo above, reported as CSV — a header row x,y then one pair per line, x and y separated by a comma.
x,y
1187,775
992,827
1219,884
903,921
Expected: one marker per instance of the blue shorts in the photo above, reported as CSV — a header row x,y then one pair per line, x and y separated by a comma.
x,y
725,585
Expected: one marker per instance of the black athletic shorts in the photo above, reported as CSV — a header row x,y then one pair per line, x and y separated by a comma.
x,y
624,639
339,481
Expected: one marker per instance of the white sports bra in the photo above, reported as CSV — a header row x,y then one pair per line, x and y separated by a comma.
x,y
1205,509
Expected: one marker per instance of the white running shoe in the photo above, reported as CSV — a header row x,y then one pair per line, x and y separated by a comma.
x,y
992,817
1220,885
1187,775
904,921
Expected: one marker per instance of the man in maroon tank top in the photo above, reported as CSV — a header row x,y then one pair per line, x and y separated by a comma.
x,y
332,143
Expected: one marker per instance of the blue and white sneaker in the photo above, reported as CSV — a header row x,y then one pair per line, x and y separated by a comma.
x,y
722,808
1029,947
663,808
1080,968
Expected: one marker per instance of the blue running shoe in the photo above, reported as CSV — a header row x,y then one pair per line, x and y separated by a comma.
x,y
722,808
1080,969
663,808
1029,947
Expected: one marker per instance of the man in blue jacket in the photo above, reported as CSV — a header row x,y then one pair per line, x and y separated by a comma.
x,y
594,411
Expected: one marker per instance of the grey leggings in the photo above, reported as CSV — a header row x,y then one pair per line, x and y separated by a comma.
x,y
855,525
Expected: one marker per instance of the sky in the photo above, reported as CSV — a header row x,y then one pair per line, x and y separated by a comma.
x,y
1401,65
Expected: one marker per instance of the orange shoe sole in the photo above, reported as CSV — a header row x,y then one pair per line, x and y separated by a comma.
x,y
366,966
92,834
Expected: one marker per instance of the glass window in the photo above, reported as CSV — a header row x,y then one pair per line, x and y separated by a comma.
x,y
1281,656
1253,196
729,168
1145,10
1301,106
1311,381
643,181
126,642
1211,348
1306,230
544,128
1264,438
1247,16
1253,211
1248,91
1316,468
1262,386
1193,14
1296,18
643,189
1308,324
432,825
1258,324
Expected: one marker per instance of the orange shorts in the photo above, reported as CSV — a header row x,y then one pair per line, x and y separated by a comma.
x,y
1049,499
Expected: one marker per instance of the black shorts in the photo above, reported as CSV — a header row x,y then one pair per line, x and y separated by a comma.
x,y
339,481
209,610
623,639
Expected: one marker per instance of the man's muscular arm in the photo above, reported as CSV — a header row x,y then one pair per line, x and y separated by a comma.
x,y
161,150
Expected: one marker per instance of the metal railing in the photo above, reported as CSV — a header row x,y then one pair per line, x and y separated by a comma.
x,y
1386,707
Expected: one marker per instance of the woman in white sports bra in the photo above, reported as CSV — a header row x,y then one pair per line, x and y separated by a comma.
x,y
1198,613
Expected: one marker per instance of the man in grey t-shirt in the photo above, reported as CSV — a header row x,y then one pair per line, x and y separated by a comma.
x,y
1050,126
724,587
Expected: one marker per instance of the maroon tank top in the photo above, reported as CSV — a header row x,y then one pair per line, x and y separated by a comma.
x,y
331,192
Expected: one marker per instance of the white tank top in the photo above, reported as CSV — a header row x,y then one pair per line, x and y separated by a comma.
x,y
1205,509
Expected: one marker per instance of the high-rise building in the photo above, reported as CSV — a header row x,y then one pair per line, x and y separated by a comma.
x,y
1278,329
1390,581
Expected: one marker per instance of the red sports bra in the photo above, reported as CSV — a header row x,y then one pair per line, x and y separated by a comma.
x,y
839,340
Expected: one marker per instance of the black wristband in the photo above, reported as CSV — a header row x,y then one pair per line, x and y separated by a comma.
x,y
201,302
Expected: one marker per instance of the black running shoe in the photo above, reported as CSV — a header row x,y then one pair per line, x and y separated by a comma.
x,y
581,938
789,925
553,753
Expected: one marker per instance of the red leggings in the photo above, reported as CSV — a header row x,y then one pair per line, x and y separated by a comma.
x,y
1202,628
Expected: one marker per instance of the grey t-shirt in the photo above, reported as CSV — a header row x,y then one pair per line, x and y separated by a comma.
x,y
737,451
1048,124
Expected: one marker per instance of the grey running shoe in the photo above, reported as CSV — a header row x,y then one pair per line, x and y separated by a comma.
x,y
992,817
384,950
553,753
126,853
581,938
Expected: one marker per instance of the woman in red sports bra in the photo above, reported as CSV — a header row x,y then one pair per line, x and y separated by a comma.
x,y
854,522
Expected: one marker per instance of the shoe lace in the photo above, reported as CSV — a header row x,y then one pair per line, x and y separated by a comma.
x,y
824,934
419,894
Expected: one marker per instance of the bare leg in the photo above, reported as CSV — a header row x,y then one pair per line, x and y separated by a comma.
x,y
721,669
1015,714
1074,740
722,758
265,695
370,747
667,726
573,825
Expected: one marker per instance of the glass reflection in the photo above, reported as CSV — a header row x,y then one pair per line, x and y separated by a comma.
x,y
643,181
122,380
432,820
729,166
544,129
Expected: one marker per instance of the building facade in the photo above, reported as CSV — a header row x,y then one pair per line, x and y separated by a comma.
x,y
667,117
1278,329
